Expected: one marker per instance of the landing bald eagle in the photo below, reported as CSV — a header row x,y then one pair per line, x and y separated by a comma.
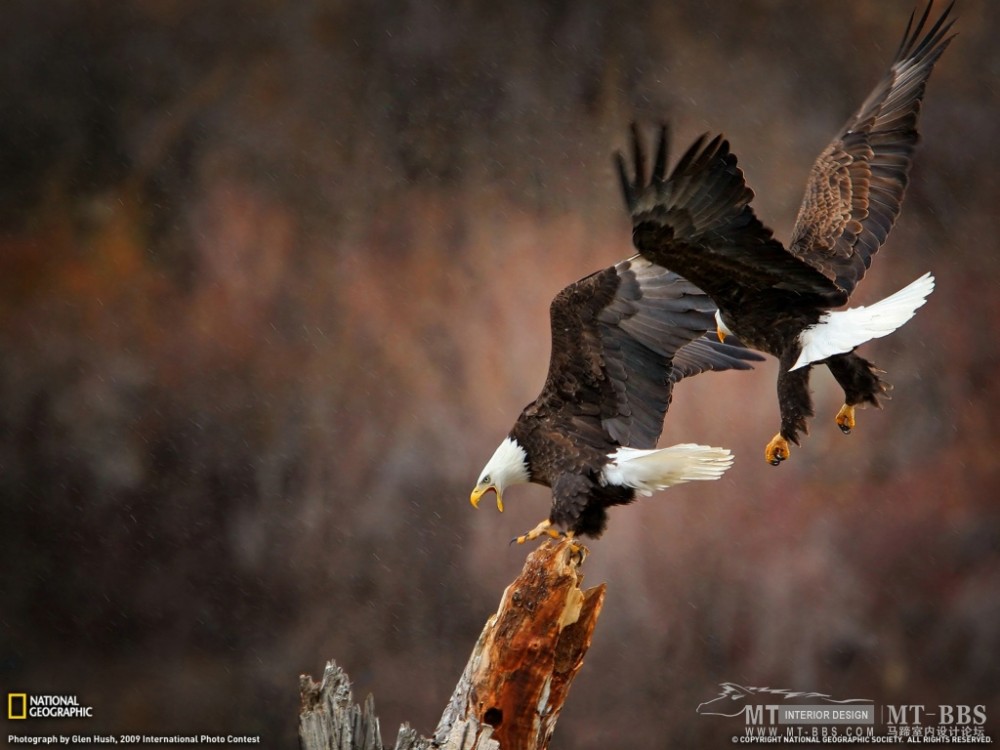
x,y
781,301
621,338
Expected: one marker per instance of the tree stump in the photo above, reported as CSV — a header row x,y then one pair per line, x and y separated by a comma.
x,y
515,682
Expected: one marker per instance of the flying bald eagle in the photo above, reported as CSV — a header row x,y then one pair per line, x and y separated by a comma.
x,y
778,300
621,338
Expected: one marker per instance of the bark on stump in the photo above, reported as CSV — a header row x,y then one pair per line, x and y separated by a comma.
x,y
515,682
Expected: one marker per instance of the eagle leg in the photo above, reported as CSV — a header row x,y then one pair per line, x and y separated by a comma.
x,y
861,383
542,529
795,404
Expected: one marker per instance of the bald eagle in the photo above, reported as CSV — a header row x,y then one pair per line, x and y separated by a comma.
x,y
621,338
781,301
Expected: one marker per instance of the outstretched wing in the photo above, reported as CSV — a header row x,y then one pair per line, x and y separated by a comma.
x,y
856,186
617,336
699,223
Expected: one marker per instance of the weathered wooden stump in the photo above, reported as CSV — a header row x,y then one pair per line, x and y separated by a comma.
x,y
515,682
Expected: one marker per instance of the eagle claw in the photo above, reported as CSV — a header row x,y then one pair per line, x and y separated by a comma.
x,y
777,450
845,419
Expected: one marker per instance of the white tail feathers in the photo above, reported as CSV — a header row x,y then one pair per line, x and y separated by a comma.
x,y
646,471
840,331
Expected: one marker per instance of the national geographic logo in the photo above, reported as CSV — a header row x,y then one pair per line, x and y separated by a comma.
x,y
24,706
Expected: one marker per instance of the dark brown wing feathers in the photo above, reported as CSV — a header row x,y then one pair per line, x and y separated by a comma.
x,y
699,223
855,188
615,337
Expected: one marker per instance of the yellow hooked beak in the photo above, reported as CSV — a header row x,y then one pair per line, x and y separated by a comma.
x,y
480,490
720,333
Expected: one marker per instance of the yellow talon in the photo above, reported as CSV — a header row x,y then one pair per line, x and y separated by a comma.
x,y
777,450
845,419
544,528
577,552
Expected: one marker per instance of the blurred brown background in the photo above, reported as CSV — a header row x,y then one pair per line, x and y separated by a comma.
x,y
274,282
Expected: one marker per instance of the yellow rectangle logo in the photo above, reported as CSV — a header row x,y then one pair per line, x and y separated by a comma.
x,y
17,705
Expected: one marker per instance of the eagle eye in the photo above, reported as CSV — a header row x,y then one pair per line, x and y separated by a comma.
x,y
486,480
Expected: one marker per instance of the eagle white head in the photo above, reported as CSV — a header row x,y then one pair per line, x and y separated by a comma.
x,y
509,465
721,329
